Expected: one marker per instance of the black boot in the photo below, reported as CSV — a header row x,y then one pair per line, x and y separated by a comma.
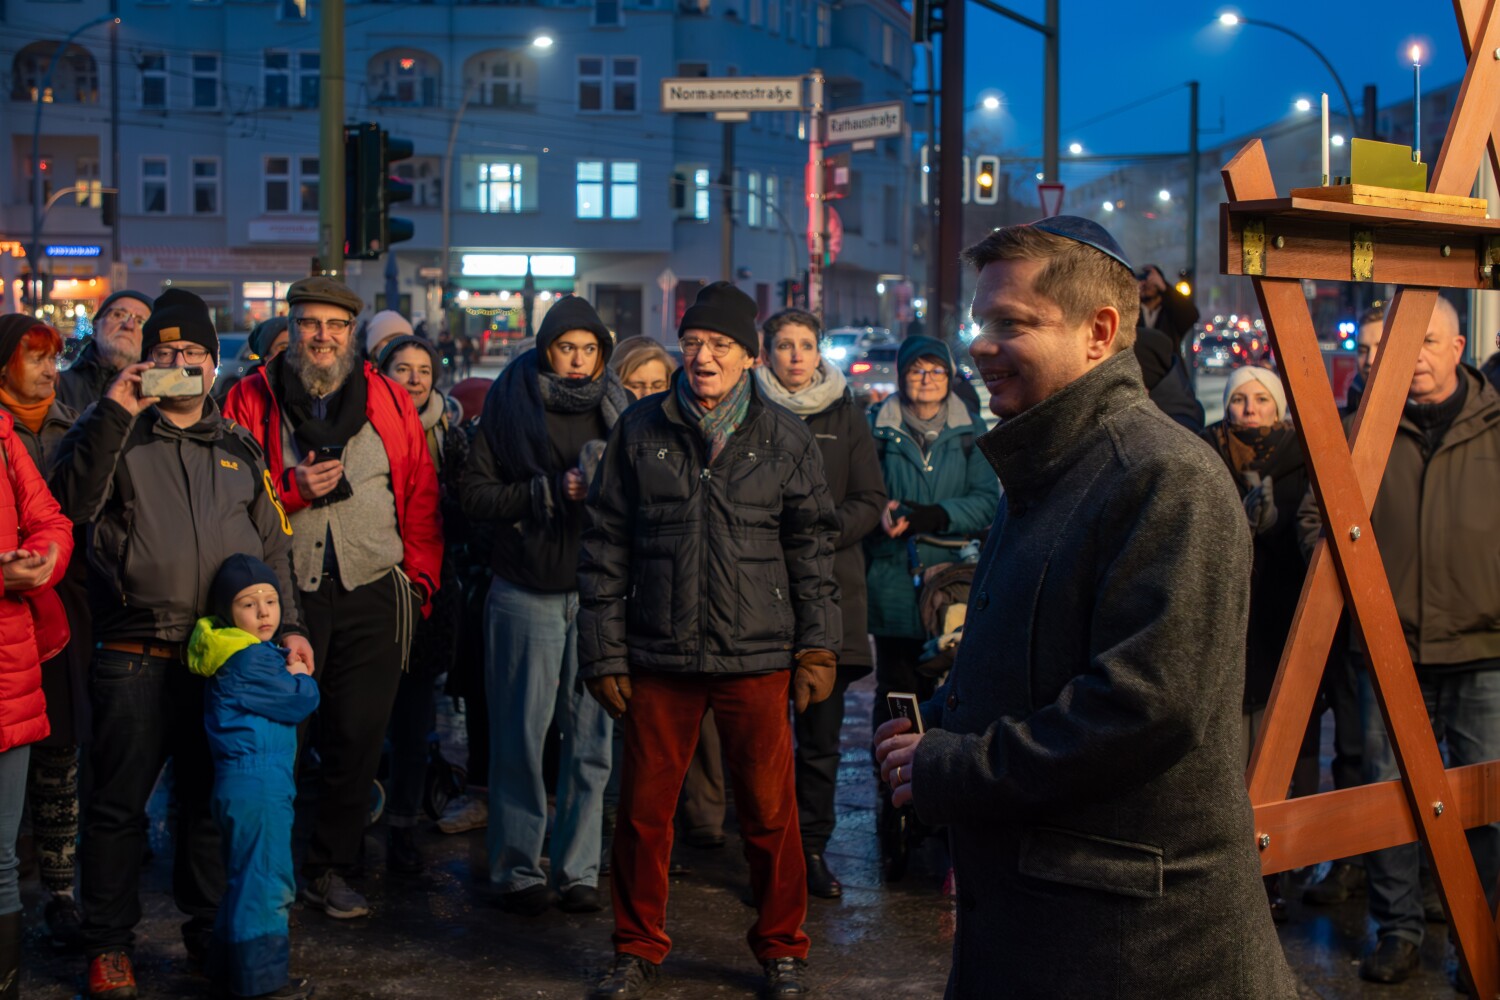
x,y
10,956
820,881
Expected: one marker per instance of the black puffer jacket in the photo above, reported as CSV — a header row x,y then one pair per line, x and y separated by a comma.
x,y
728,567
858,490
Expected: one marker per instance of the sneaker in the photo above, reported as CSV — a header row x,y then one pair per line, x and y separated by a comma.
x,y
64,923
112,977
469,813
631,979
785,977
580,898
331,894
532,901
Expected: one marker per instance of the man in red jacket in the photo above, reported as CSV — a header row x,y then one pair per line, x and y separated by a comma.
x,y
346,452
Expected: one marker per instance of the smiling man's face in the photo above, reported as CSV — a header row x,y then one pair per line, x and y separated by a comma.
x,y
1026,349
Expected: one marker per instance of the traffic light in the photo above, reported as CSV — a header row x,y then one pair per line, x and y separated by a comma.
x,y
107,208
923,22
986,180
370,190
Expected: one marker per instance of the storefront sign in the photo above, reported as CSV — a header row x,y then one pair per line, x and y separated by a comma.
x,y
288,230
173,261
73,250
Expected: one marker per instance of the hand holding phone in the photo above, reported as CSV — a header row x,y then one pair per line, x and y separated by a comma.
x,y
172,383
318,474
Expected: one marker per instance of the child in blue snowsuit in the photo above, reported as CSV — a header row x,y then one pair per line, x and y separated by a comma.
x,y
254,700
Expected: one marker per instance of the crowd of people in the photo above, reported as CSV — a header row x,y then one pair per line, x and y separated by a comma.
x,y
651,576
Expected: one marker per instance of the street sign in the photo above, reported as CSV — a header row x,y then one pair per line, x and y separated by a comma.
x,y
732,93
429,272
1052,198
872,121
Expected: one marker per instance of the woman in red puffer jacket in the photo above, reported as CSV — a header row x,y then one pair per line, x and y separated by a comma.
x,y
36,542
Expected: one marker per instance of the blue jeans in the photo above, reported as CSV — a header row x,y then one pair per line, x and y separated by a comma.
x,y
531,678
13,766
1465,710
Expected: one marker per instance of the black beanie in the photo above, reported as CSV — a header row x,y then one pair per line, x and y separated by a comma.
x,y
723,308
402,343
124,293
13,328
238,572
572,312
179,315
265,334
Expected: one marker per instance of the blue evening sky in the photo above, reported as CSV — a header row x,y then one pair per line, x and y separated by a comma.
x,y
1114,54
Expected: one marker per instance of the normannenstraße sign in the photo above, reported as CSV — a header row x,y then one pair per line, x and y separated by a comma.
x,y
868,122
732,93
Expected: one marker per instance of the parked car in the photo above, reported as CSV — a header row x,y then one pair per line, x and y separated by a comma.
x,y
843,345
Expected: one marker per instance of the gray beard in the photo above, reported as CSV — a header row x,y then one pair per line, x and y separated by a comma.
x,y
319,382
117,356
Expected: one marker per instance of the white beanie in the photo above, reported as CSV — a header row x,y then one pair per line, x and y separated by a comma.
x,y
1267,378
386,323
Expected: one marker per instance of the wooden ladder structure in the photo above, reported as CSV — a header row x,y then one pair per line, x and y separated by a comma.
x,y
1278,242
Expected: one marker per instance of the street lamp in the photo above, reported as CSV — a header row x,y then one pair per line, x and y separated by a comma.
x,y
34,250
1229,19
1303,104
991,103
542,41
1076,148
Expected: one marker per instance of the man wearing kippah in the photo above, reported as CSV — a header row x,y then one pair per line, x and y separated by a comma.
x,y
1084,753
116,345
349,460
169,490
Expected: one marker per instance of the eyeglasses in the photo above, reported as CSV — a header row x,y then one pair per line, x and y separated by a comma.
x,y
125,317
718,348
923,374
166,357
308,325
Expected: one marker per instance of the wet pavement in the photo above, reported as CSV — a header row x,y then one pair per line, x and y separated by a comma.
x,y
439,935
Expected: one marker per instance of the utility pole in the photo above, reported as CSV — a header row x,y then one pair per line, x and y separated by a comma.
x,y
331,142
944,309
1193,157
1052,58
726,226
114,131
817,214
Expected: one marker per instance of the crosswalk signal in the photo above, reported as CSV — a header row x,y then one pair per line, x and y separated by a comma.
x,y
923,22
986,180
370,190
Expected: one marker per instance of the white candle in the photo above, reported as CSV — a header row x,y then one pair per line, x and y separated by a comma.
x,y
1326,174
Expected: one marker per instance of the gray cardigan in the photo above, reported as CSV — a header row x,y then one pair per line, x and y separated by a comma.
x,y
1084,753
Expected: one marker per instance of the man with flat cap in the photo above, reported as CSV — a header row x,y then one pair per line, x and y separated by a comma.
x,y
169,490
1084,753
349,459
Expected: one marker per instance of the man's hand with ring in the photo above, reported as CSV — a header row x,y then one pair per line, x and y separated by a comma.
x,y
895,748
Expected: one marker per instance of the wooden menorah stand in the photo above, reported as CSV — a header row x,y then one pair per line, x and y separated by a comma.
x,y
1278,242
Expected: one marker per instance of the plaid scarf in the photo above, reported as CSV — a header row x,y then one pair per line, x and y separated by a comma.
x,y
718,424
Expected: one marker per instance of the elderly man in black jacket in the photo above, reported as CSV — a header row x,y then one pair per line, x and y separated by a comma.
x,y
169,489
1084,752
706,581
116,345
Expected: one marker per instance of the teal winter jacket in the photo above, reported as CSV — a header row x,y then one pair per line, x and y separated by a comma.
x,y
953,474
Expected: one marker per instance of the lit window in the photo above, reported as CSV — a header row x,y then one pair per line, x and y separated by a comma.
x,y
499,187
753,204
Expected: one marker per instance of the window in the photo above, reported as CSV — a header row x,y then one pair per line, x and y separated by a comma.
x,y
75,78
292,10
753,203
278,184
892,214
205,82
500,187
278,80
499,78
793,15
86,179
611,84
737,194
307,183
309,69
690,188
755,15
205,186
425,175
153,67
825,25
154,185
405,78
773,16
888,46
607,14
771,205
616,198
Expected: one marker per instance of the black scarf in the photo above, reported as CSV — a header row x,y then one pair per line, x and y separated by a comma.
x,y
346,409
1434,419
514,419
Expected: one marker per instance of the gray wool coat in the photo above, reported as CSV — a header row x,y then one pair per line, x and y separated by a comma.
x,y
1084,752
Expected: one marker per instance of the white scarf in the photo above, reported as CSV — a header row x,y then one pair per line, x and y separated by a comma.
x,y
826,388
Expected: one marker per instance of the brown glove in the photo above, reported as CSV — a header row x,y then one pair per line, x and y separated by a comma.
x,y
813,680
612,691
